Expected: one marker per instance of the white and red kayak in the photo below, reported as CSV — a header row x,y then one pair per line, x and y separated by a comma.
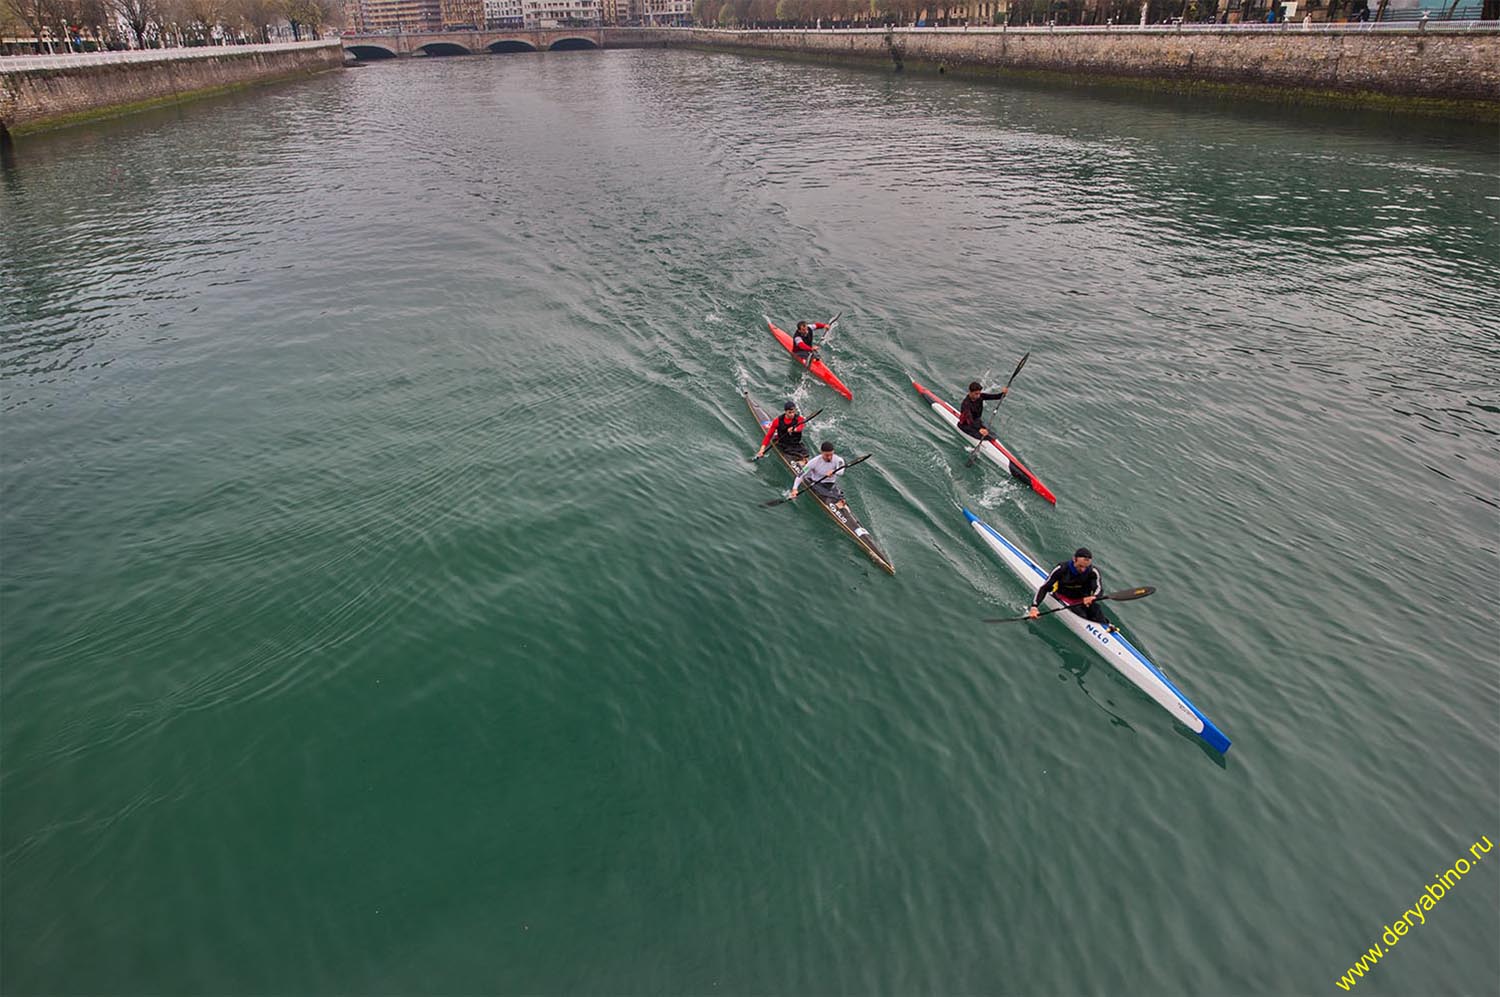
x,y
995,450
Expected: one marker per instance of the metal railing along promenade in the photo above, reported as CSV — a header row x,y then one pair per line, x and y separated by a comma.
x,y
1186,27
70,60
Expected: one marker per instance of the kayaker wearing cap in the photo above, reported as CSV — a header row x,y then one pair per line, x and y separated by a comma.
x,y
821,475
787,428
971,409
1075,579
802,339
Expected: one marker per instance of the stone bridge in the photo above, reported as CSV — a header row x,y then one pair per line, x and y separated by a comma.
x,y
389,45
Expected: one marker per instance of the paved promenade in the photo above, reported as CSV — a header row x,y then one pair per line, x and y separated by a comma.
x,y
71,60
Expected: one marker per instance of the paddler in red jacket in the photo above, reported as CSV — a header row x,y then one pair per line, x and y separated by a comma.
x,y
802,340
787,429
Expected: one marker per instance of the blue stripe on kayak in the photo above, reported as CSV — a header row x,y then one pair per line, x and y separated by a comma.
x,y
1013,548
1211,734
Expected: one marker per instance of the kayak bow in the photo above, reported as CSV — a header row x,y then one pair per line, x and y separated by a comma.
x,y
845,517
996,452
817,366
1112,647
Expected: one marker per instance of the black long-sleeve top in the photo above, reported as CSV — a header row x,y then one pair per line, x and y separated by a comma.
x,y
1068,581
971,411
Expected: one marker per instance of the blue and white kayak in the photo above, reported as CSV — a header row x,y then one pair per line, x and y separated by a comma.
x,y
1113,647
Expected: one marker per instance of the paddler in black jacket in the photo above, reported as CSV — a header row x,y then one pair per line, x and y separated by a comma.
x,y
971,409
1076,579
787,429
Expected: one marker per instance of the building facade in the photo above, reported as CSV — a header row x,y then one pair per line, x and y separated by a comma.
x,y
667,12
981,12
386,16
462,13
561,13
400,15
622,12
504,14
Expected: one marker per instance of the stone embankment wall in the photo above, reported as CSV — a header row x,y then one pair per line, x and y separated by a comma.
x,y
1433,63
44,91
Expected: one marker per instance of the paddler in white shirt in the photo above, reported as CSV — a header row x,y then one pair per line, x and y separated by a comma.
x,y
821,475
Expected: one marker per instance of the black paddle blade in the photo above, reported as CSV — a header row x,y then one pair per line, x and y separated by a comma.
x,y
767,505
974,454
1127,594
1018,367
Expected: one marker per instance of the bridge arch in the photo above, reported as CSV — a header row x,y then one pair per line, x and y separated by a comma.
x,y
369,53
572,44
442,48
510,45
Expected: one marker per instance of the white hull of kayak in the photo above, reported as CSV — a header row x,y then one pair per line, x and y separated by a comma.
x,y
1114,648
995,451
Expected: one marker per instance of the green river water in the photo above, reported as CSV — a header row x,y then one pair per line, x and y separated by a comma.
x,y
387,604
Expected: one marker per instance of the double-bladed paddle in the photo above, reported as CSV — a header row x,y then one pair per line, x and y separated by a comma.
x,y
985,439
849,464
804,422
1124,595
829,327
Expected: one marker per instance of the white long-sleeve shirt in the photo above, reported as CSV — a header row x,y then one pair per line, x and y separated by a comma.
x,y
819,469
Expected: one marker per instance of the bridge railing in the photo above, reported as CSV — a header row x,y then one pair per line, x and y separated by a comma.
x,y
393,33
1404,25
12,63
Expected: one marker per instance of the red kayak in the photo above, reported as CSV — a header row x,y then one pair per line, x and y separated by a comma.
x,y
996,452
818,367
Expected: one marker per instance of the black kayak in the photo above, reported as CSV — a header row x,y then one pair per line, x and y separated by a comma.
x,y
844,517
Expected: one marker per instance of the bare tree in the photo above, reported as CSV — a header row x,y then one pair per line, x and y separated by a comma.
x,y
141,17
199,18
303,14
68,21
36,15
96,17
170,20
12,24
257,16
